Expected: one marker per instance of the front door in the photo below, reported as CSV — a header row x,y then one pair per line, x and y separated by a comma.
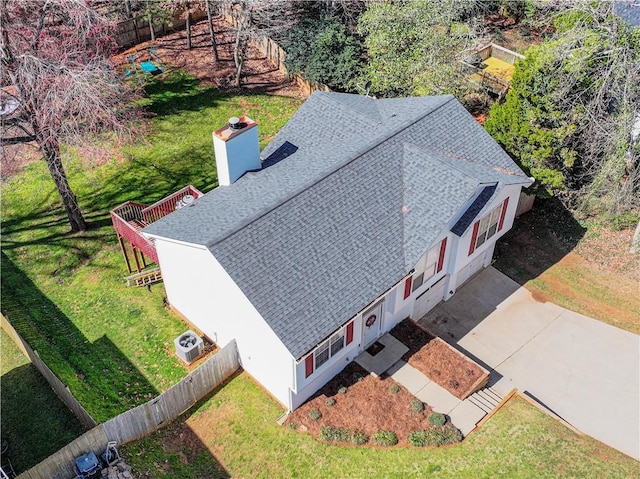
x,y
371,322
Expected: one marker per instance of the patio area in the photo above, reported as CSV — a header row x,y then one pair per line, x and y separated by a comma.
x,y
381,355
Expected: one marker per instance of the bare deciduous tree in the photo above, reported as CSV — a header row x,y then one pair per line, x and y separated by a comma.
x,y
253,17
214,45
55,56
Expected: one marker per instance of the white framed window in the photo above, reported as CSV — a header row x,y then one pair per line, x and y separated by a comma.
x,y
427,267
329,348
488,226
322,354
337,342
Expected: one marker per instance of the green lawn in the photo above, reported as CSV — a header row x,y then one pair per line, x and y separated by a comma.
x,y
559,259
34,421
234,434
112,345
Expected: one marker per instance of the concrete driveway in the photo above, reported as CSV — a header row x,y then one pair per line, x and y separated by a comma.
x,y
585,371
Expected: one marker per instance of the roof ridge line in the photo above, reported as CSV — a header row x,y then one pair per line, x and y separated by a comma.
x,y
357,154
436,157
328,98
438,153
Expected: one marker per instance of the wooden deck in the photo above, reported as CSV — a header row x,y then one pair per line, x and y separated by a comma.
x,y
499,68
496,70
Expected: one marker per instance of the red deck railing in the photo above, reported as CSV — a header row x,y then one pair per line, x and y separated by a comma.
x,y
169,204
130,217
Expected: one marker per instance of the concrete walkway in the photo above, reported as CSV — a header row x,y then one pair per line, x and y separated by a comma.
x,y
463,414
585,371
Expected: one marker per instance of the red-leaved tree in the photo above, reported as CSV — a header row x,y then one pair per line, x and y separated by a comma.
x,y
55,55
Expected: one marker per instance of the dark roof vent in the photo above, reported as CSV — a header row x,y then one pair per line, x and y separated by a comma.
x,y
236,124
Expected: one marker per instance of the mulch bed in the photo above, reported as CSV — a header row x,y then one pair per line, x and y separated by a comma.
x,y
368,405
373,404
437,360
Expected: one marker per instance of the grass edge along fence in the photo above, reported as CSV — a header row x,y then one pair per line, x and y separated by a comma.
x,y
144,419
61,389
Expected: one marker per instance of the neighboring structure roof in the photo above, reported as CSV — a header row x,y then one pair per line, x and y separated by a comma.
x,y
628,10
363,190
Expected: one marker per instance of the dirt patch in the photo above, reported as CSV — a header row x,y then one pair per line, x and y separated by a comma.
x,y
437,360
258,74
368,404
512,35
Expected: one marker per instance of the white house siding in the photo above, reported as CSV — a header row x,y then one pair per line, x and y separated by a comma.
x,y
200,289
439,279
305,387
460,258
395,309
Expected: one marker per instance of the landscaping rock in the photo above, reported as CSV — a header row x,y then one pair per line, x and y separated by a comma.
x,y
118,471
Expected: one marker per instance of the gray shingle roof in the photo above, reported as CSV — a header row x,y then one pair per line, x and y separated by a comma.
x,y
628,10
315,237
478,204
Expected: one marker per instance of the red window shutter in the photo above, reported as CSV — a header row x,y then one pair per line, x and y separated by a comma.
x,y
308,366
443,248
407,287
474,237
504,212
350,332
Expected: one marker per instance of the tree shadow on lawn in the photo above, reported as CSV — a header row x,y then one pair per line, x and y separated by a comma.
x,y
539,239
178,91
34,420
99,375
179,449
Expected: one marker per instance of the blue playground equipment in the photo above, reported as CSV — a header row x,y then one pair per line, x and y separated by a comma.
x,y
144,62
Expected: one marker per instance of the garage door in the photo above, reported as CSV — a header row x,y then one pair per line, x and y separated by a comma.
x,y
472,268
429,299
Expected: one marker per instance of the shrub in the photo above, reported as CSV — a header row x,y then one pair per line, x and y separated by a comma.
x,y
323,51
451,434
623,221
315,414
394,389
293,425
330,402
337,434
342,390
437,419
417,438
359,438
453,384
385,438
417,406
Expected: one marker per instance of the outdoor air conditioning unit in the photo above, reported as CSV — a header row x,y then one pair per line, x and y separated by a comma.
x,y
189,346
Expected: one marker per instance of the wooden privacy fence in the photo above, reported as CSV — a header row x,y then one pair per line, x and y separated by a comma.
x,y
144,419
56,384
525,203
137,30
276,56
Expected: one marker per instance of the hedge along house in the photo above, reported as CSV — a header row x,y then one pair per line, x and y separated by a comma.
x,y
363,212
